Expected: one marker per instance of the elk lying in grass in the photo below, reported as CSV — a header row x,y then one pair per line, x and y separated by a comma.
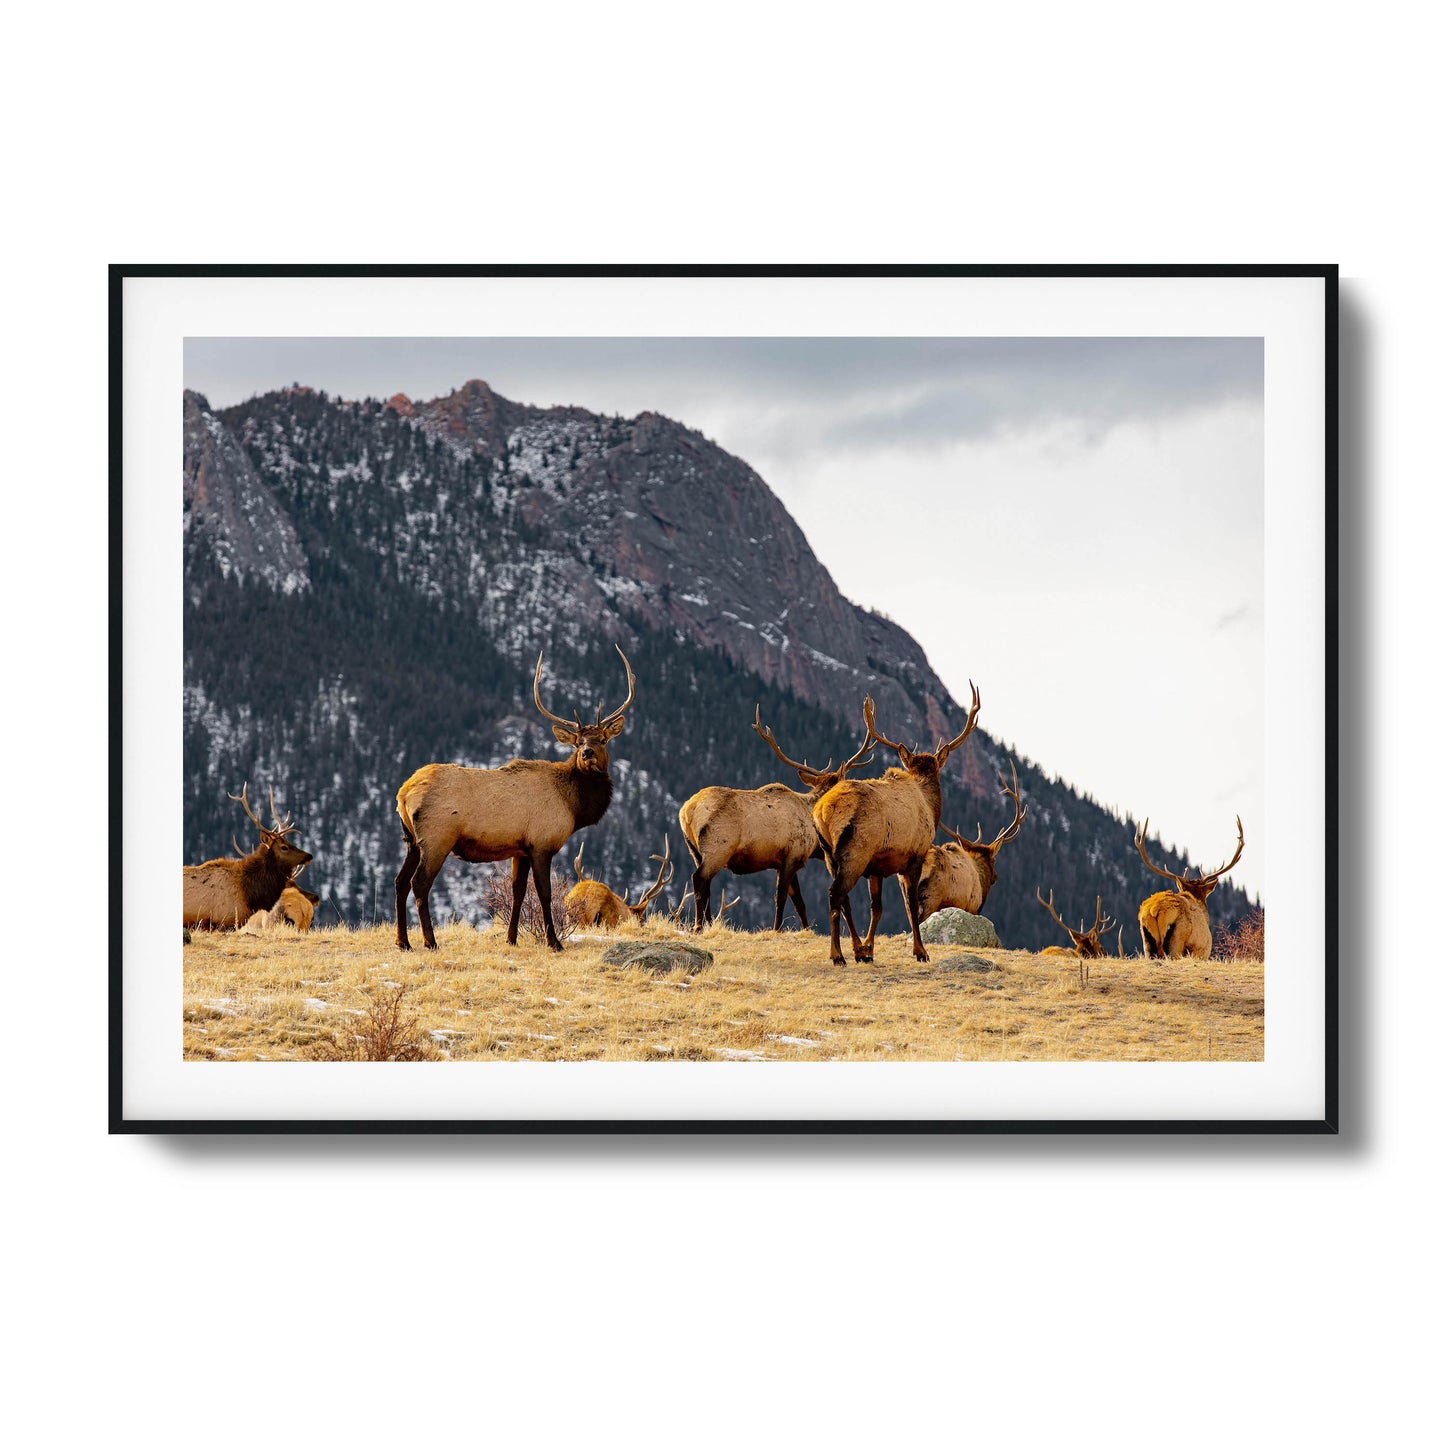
x,y
757,830
225,892
879,827
594,905
1086,944
959,874
1173,925
525,810
295,908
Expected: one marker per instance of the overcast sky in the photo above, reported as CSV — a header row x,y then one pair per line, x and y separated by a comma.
x,y
1093,549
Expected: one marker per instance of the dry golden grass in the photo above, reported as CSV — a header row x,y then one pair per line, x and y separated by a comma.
x,y
327,995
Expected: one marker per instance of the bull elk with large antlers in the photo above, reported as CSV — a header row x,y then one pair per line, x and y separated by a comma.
x,y
525,810
1175,924
225,892
593,903
959,874
757,830
1086,943
878,827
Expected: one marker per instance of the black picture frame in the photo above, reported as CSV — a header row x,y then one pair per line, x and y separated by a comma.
x,y
120,1122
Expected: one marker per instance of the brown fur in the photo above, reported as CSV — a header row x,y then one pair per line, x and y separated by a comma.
x,y
758,830
294,910
1176,925
524,811
225,892
880,827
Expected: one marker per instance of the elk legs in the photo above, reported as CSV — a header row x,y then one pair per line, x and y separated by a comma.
x,y
910,892
520,867
542,876
403,887
702,897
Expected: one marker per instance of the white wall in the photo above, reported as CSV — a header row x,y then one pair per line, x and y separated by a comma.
x,y
1006,1289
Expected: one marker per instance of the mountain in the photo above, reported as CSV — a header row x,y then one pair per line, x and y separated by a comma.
x,y
368,584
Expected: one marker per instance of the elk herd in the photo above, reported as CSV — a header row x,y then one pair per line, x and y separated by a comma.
x,y
525,812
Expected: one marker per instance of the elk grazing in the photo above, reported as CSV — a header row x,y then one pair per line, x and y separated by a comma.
x,y
1086,944
525,810
225,892
594,904
959,874
875,828
1176,924
755,830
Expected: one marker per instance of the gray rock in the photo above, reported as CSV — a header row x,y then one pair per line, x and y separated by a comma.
x,y
953,925
658,957
965,963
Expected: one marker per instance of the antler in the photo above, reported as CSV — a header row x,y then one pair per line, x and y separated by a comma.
x,y
861,756
1101,923
766,734
242,801
631,693
1220,872
724,904
942,752
537,698
874,736
577,863
1053,912
1007,833
281,827
664,877
1148,863
1010,831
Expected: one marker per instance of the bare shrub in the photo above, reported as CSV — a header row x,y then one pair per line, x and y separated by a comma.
x,y
1245,940
497,900
386,1033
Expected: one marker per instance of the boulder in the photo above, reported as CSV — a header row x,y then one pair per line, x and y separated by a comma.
x,y
953,925
965,963
658,956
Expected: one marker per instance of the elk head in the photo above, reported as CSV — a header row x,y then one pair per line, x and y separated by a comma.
x,y
816,780
985,855
588,740
274,841
1198,888
1086,944
926,767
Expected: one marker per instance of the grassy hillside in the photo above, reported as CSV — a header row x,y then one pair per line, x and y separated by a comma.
x,y
340,994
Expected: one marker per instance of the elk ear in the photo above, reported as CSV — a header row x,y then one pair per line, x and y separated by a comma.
x,y
905,755
566,735
312,897
610,730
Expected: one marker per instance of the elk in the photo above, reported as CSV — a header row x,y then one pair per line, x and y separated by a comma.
x,y
595,904
525,810
875,828
754,830
1086,944
1173,925
225,892
295,909
959,874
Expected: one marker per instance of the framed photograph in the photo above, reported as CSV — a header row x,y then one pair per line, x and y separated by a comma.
x,y
892,697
